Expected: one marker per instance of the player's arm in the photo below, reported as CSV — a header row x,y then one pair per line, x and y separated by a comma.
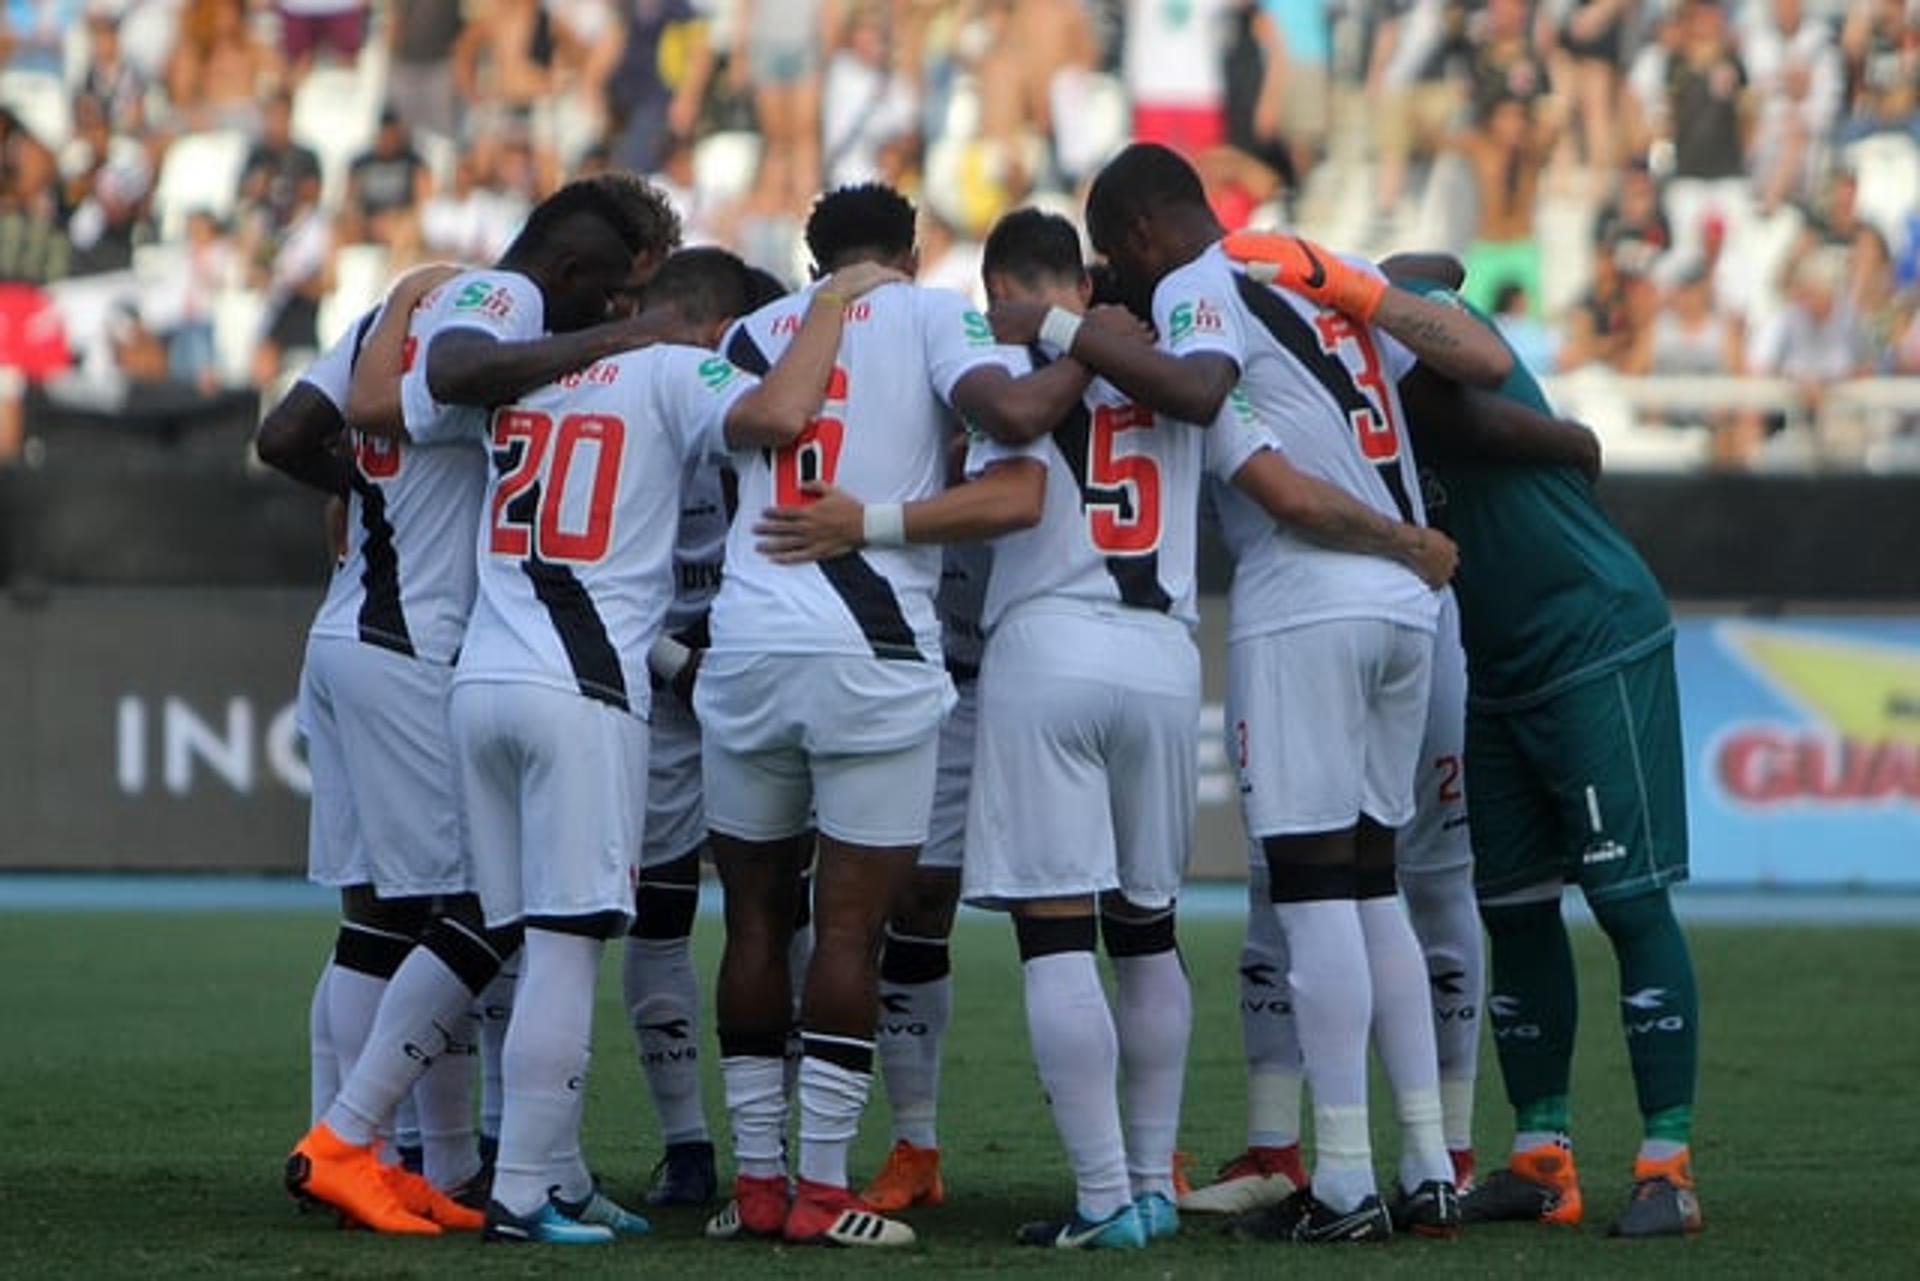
x,y
1191,388
788,398
468,366
1017,410
1444,338
373,402
1463,423
1009,495
1331,517
299,436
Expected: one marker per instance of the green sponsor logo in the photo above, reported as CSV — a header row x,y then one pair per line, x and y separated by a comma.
x,y
979,332
1242,407
1180,324
717,371
472,296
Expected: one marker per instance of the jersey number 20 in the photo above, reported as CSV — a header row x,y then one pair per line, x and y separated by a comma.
x,y
538,462
1122,492
813,455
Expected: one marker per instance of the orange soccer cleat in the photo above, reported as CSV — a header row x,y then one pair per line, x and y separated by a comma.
x,y
349,1177
417,1196
910,1177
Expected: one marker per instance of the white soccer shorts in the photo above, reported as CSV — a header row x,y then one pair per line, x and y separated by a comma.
x,y
1436,839
385,808
1085,766
555,802
676,810
1324,724
842,743
952,781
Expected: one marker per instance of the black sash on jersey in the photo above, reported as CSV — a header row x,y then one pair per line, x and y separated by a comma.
x,y
1136,578
1294,334
381,622
596,666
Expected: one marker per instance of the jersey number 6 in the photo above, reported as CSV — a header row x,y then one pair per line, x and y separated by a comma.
x,y
529,502
813,455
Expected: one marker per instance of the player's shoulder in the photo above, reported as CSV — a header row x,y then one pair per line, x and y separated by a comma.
x,y
490,294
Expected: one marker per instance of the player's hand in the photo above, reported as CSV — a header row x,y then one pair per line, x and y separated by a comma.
x,y
830,523
1297,264
418,283
1017,324
1433,556
1116,319
861,278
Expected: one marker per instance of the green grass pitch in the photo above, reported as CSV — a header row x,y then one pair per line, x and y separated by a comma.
x,y
153,1074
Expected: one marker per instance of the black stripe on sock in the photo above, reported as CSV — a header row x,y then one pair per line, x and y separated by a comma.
x,y
876,610
1293,333
1376,882
471,957
752,1045
369,951
841,1053
909,960
1138,938
596,666
1051,935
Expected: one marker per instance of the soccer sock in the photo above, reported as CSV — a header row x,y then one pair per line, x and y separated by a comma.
x,y
443,1102
406,1128
364,961
1153,1017
1440,904
836,1075
916,1000
495,1007
545,1068
1660,1009
1403,1031
1333,1008
1267,1033
1534,1005
1077,1050
663,1005
754,1078
323,1071
427,996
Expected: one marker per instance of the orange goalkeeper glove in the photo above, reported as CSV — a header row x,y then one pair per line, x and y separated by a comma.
x,y
1297,264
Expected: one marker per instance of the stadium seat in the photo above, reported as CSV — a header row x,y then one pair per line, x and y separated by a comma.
x,y
201,171
442,156
336,111
1101,122
40,100
1888,168
239,318
359,281
724,165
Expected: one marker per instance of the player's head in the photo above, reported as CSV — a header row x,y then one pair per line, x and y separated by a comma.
x,y
589,241
1440,269
1147,212
1111,289
1034,256
697,293
767,287
870,222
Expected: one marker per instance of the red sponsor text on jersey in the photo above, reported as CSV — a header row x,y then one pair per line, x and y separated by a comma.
x,y
858,310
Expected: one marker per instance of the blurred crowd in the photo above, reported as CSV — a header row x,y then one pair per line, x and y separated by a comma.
x,y
1692,187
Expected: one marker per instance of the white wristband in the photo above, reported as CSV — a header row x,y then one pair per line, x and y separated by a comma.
x,y
668,658
1058,329
884,525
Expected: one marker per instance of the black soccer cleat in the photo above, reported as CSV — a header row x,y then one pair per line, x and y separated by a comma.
x,y
684,1176
1658,1207
1304,1219
1508,1197
1430,1210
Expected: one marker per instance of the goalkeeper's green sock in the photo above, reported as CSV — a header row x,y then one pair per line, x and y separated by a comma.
x,y
1534,1005
1660,1009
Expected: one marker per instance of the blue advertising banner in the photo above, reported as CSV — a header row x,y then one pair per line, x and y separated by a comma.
x,y
1803,749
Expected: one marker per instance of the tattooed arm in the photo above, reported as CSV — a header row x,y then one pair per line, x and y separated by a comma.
x,y
1446,339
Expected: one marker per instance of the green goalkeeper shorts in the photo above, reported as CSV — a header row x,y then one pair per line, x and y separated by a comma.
x,y
1587,786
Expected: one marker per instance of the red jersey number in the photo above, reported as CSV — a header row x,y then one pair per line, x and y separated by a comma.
x,y
1373,428
538,463
1123,490
813,455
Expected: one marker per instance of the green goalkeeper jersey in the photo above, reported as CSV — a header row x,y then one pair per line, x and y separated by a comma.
x,y
1550,592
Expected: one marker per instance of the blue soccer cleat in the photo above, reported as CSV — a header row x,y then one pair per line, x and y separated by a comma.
x,y
1121,1230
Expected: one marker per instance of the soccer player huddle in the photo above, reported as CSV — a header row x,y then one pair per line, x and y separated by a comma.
x,y
881,605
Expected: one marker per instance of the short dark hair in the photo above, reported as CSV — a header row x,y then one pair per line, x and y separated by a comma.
x,y
631,207
1110,288
867,218
704,285
1032,245
767,288
1142,179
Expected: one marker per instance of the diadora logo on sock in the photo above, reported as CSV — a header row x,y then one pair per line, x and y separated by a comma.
x,y
1505,1009
1259,974
672,1029
1448,982
1648,1000
896,1003
1452,983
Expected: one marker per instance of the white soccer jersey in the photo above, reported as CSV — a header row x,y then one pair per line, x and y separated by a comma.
x,y
1121,509
575,549
406,583
882,436
504,305
707,494
1327,389
965,570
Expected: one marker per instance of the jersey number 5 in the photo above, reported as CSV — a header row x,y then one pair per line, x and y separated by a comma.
x,y
530,500
813,455
1122,491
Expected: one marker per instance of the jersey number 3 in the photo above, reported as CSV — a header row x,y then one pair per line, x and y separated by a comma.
x,y
538,462
1122,491
813,455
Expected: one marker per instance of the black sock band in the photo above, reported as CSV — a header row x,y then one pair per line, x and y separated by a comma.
x,y
366,950
471,956
1293,882
1376,882
664,910
752,1045
1138,938
851,1053
1050,935
914,960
